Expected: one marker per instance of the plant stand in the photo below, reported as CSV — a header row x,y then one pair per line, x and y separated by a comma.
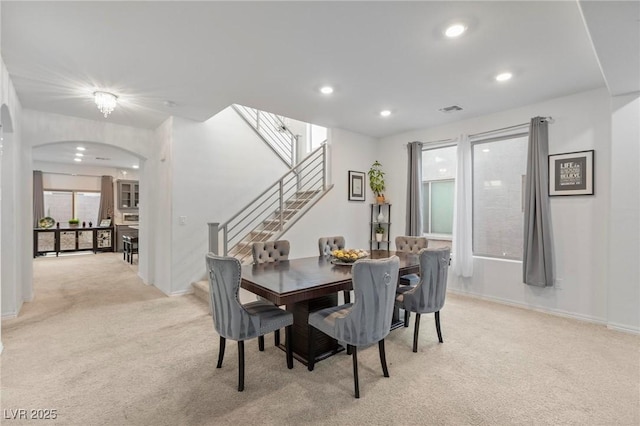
x,y
384,242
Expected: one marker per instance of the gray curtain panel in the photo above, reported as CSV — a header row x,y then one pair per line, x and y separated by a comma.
x,y
38,197
106,198
537,259
414,190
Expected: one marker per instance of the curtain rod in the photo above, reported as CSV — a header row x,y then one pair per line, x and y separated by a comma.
x,y
475,135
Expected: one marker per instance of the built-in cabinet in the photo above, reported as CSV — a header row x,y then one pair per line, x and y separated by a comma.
x,y
380,220
128,195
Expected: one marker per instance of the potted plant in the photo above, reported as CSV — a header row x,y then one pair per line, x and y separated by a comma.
x,y
379,232
376,181
73,223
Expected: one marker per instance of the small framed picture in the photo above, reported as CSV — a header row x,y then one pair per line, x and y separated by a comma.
x,y
571,173
105,223
356,186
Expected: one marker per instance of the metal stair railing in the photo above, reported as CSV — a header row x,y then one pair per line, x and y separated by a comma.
x,y
271,128
280,206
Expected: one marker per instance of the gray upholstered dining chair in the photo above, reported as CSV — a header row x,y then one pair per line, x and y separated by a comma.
x,y
328,244
429,294
411,245
368,319
269,252
235,321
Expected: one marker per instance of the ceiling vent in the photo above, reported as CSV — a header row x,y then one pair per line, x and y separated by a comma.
x,y
452,108
103,158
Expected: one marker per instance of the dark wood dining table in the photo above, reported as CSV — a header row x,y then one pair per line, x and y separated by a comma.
x,y
308,284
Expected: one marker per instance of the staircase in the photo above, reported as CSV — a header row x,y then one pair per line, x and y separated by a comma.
x,y
271,214
274,211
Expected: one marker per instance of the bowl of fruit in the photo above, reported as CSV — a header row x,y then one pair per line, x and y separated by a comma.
x,y
347,256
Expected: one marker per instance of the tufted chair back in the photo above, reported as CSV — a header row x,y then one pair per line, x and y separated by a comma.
x,y
270,251
230,319
428,296
411,244
327,244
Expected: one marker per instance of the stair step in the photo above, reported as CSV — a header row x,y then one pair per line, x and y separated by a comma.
x,y
201,290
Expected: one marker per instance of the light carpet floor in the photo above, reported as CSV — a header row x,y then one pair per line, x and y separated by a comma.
x,y
100,347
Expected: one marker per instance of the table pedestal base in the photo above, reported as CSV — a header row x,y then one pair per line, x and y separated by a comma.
x,y
324,346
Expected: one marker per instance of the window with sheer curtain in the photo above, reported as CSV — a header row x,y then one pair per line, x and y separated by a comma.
x,y
499,169
438,187
65,205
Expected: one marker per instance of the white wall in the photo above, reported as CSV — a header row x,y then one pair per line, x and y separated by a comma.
x,y
624,242
155,200
580,224
15,253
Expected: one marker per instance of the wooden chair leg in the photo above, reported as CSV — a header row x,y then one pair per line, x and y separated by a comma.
x,y
261,343
438,326
310,350
289,345
240,366
406,318
276,338
355,371
415,333
221,352
347,296
383,358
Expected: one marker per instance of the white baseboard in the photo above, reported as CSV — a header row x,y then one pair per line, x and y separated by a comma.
x,y
10,315
557,312
1,348
182,292
623,328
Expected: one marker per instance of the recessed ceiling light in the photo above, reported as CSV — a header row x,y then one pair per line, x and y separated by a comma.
x,y
77,159
455,30
135,166
80,148
79,154
385,113
326,90
504,76
486,150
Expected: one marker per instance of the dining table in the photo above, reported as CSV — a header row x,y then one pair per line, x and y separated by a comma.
x,y
309,284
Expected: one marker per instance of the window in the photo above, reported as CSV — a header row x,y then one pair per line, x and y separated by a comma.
x,y
64,205
438,187
499,167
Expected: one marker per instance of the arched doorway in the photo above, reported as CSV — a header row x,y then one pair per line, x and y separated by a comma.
x,y
74,175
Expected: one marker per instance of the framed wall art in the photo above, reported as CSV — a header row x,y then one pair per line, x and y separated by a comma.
x,y
356,186
571,173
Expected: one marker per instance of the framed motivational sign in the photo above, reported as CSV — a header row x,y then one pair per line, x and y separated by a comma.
x,y
571,173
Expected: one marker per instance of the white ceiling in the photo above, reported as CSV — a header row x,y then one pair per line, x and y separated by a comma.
x,y
274,56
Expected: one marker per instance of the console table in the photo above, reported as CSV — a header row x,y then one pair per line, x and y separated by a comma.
x,y
57,240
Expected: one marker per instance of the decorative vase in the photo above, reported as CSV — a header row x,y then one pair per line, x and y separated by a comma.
x,y
380,217
380,199
90,225
379,237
